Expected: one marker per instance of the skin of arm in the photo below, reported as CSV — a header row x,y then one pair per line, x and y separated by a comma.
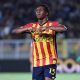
x,y
58,28
20,30
55,28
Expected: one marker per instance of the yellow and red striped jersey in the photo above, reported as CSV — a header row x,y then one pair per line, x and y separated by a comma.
x,y
43,44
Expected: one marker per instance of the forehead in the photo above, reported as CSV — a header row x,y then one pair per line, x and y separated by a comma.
x,y
40,7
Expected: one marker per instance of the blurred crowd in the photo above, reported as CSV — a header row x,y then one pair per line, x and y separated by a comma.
x,y
15,13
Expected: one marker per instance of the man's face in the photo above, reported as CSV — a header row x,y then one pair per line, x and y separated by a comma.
x,y
40,12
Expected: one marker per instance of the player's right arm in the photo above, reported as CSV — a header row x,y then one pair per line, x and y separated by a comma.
x,y
20,30
26,28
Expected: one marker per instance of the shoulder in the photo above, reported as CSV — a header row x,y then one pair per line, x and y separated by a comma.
x,y
54,23
34,24
28,25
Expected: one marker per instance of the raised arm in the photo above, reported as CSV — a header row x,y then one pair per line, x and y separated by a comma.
x,y
58,28
26,28
20,30
55,26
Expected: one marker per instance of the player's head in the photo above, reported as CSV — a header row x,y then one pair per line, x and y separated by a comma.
x,y
42,11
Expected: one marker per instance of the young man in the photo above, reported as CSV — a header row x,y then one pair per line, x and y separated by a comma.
x,y
44,56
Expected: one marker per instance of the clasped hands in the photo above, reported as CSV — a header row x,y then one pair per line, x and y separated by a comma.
x,y
38,29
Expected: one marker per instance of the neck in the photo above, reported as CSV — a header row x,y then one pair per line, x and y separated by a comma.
x,y
42,21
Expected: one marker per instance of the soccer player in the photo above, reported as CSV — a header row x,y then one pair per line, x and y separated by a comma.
x,y
44,56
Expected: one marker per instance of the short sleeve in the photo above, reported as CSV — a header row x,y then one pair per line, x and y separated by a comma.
x,y
27,26
55,24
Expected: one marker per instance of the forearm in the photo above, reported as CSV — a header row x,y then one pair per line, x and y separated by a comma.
x,y
58,28
20,30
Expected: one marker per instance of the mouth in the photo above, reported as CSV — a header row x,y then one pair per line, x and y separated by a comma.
x,y
38,14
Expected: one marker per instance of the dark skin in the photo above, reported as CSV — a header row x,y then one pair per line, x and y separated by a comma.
x,y
42,16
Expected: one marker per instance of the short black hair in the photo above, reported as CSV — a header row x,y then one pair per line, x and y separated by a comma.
x,y
46,8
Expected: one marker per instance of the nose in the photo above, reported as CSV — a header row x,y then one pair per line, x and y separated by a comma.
x,y
38,11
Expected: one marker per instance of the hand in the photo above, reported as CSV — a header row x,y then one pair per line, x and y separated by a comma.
x,y
41,29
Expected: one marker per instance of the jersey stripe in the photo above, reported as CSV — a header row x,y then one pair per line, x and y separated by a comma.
x,y
33,49
48,44
39,51
54,43
35,56
46,52
52,50
49,52
43,53
32,55
36,51
39,62
55,53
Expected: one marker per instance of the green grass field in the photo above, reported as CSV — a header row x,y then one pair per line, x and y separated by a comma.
x,y
27,76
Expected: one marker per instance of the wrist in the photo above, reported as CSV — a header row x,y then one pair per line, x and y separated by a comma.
x,y
52,28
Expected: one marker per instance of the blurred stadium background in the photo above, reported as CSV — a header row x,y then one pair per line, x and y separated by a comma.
x,y
15,48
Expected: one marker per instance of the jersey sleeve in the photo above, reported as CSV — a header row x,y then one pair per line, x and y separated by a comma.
x,y
27,26
55,24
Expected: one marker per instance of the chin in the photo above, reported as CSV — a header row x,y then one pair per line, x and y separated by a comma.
x,y
40,18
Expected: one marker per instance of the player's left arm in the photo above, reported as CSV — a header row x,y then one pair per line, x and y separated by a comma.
x,y
58,28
